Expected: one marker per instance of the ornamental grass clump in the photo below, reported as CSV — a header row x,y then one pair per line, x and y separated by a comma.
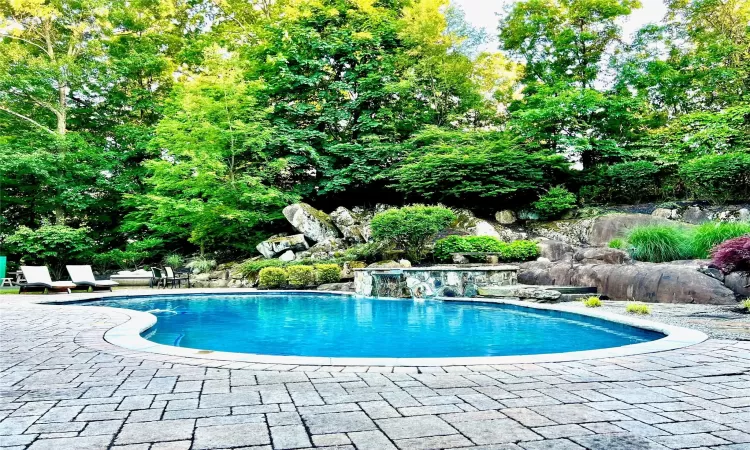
x,y
617,243
300,276
659,243
272,277
637,308
592,302
711,234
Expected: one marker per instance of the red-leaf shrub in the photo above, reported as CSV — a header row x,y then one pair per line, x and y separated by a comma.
x,y
733,254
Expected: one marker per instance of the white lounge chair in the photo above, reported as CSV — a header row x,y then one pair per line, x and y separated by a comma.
x,y
83,277
38,279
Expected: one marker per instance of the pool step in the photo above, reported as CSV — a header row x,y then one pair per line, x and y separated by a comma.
x,y
534,293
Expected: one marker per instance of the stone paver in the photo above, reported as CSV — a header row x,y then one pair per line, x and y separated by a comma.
x,y
62,386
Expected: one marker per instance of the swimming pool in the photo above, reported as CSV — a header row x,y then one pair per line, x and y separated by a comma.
x,y
341,326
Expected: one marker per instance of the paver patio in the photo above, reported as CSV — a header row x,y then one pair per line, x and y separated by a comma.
x,y
63,387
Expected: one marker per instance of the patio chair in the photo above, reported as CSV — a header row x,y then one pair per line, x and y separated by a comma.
x,y
38,279
83,277
176,278
157,278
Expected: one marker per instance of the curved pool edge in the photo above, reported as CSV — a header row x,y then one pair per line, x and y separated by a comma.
x,y
128,336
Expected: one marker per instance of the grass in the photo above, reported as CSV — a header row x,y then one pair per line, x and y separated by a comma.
x,y
663,243
660,243
745,304
617,243
711,234
592,302
8,290
637,308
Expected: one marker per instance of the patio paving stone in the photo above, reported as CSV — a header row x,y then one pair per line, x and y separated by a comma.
x,y
62,386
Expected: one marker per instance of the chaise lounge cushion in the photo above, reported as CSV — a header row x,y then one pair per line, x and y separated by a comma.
x,y
84,276
39,276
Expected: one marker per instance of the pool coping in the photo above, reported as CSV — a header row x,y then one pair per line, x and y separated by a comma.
x,y
127,335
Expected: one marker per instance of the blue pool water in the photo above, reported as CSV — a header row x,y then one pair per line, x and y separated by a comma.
x,y
343,326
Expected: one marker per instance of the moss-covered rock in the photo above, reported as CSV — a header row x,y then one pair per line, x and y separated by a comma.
x,y
314,224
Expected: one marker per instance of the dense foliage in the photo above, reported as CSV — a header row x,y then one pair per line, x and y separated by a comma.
x,y
411,228
659,243
515,251
190,125
733,254
51,245
662,243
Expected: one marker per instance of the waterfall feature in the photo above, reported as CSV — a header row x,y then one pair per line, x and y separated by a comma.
x,y
388,284
433,281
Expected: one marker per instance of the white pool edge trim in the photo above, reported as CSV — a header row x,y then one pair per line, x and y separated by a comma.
x,y
128,335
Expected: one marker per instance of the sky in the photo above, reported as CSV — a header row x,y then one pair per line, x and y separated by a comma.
x,y
483,13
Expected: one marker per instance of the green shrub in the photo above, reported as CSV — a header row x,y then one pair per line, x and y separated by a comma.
x,y
272,277
299,276
718,178
711,234
659,243
53,246
487,244
369,252
520,250
470,169
745,305
250,269
637,308
592,302
410,228
327,273
201,265
451,244
617,243
555,203
633,181
514,251
173,260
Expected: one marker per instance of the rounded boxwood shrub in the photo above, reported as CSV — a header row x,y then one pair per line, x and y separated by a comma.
x,y
299,276
451,244
515,251
718,178
410,228
520,251
327,273
555,203
272,277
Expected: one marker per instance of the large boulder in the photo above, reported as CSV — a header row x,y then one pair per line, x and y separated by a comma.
x,y
483,228
506,217
272,247
353,224
314,224
602,255
695,215
739,282
660,283
324,249
524,292
606,228
597,231
554,250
